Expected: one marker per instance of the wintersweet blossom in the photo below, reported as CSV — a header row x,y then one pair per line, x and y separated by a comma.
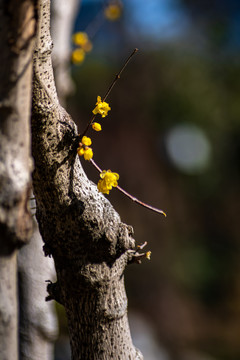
x,y
84,149
81,39
86,140
96,126
113,12
80,151
148,255
88,153
78,56
102,107
108,181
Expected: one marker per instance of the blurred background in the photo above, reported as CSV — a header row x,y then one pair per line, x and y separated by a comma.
x,y
173,135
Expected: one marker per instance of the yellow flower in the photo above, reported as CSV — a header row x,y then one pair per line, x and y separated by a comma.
x,y
80,151
148,255
108,181
96,126
78,56
102,107
113,12
84,150
80,38
86,140
102,187
88,154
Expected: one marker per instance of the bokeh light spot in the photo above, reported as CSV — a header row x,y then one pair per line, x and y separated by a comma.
x,y
188,148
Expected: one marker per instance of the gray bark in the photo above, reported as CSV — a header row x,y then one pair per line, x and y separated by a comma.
x,y
38,327
90,245
17,31
38,323
63,16
8,308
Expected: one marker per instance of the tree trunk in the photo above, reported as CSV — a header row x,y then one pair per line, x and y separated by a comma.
x,y
37,318
90,245
8,308
63,15
17,31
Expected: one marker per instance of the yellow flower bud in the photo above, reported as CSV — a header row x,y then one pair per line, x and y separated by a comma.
x,y
96,126
80,151
113,12
80,38
148,255
86,140
78,56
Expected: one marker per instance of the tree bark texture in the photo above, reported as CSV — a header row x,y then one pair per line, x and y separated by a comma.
x,y
90,245
17,32
37,319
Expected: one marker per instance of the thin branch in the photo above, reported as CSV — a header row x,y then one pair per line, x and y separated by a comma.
x,y
133,198
119,74
141,246
110,89
95,165
88,126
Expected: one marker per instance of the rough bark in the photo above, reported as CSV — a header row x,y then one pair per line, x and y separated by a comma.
x,y
17,31
37,325
90,245
37,319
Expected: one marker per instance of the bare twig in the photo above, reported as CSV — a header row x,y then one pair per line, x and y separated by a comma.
x,y
141,246
133,198
110,89
119,74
